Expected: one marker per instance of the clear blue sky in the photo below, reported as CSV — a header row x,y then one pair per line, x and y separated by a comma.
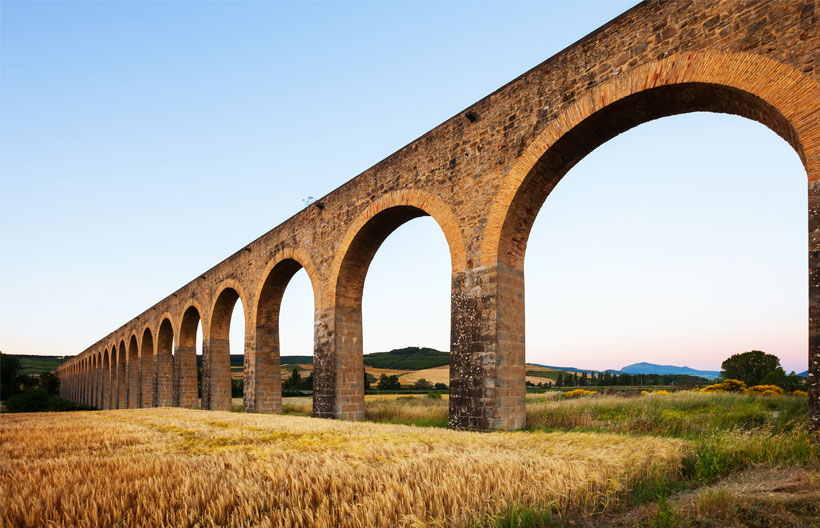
x,y
143,142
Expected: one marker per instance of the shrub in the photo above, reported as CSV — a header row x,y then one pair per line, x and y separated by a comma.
x,y
729,385
434,395
40,400
799,392
578,392
766,390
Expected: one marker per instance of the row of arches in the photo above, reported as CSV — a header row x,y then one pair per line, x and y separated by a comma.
x,y
158,366
487,249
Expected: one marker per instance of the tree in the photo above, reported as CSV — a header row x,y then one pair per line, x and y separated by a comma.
x,y
778,376
237,387
295,382
441,386
749,367
9,368
50,382
422,384
388,382
560,381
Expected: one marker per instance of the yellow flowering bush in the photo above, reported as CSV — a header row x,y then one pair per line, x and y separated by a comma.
x,y
578,392
728,385
766,390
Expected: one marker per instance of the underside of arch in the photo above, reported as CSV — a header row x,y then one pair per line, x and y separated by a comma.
x,y
216,360
614,119
263,383
163,386
186,393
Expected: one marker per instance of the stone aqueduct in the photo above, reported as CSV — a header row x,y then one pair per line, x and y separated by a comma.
x,y
482,175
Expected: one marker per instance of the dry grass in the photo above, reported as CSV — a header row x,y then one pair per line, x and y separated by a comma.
x,y
776,497
442,375
433,375
174,467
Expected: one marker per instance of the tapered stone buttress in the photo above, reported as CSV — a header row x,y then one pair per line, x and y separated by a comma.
x,y
814,305
487,369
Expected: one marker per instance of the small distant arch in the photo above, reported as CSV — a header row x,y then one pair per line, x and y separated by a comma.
x,y
147,368
164,364
185,362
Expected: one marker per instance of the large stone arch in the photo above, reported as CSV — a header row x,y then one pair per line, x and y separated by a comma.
x,y
216,365
163,381
754,87
263,383
186,393
758,88
338,379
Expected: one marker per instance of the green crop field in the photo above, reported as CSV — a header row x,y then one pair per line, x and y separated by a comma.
x,y
34,365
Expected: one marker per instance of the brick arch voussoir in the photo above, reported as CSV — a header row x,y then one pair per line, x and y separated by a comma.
x,y
122,347
233,284
191,303
795,95
133,336
302,257
429,203
158,324
148,327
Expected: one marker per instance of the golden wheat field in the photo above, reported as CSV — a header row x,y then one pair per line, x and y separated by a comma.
x,y
175,467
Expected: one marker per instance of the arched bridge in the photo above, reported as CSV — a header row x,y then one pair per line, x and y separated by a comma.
x,y
482,175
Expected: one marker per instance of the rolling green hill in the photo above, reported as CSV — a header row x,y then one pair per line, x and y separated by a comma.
x,y
409,358
34,365
548,374
238,360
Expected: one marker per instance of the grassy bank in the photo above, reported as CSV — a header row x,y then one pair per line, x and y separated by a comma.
x,y
730,434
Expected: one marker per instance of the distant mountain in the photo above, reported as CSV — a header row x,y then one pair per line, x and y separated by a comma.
x,y
651,368
419,358
804,374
